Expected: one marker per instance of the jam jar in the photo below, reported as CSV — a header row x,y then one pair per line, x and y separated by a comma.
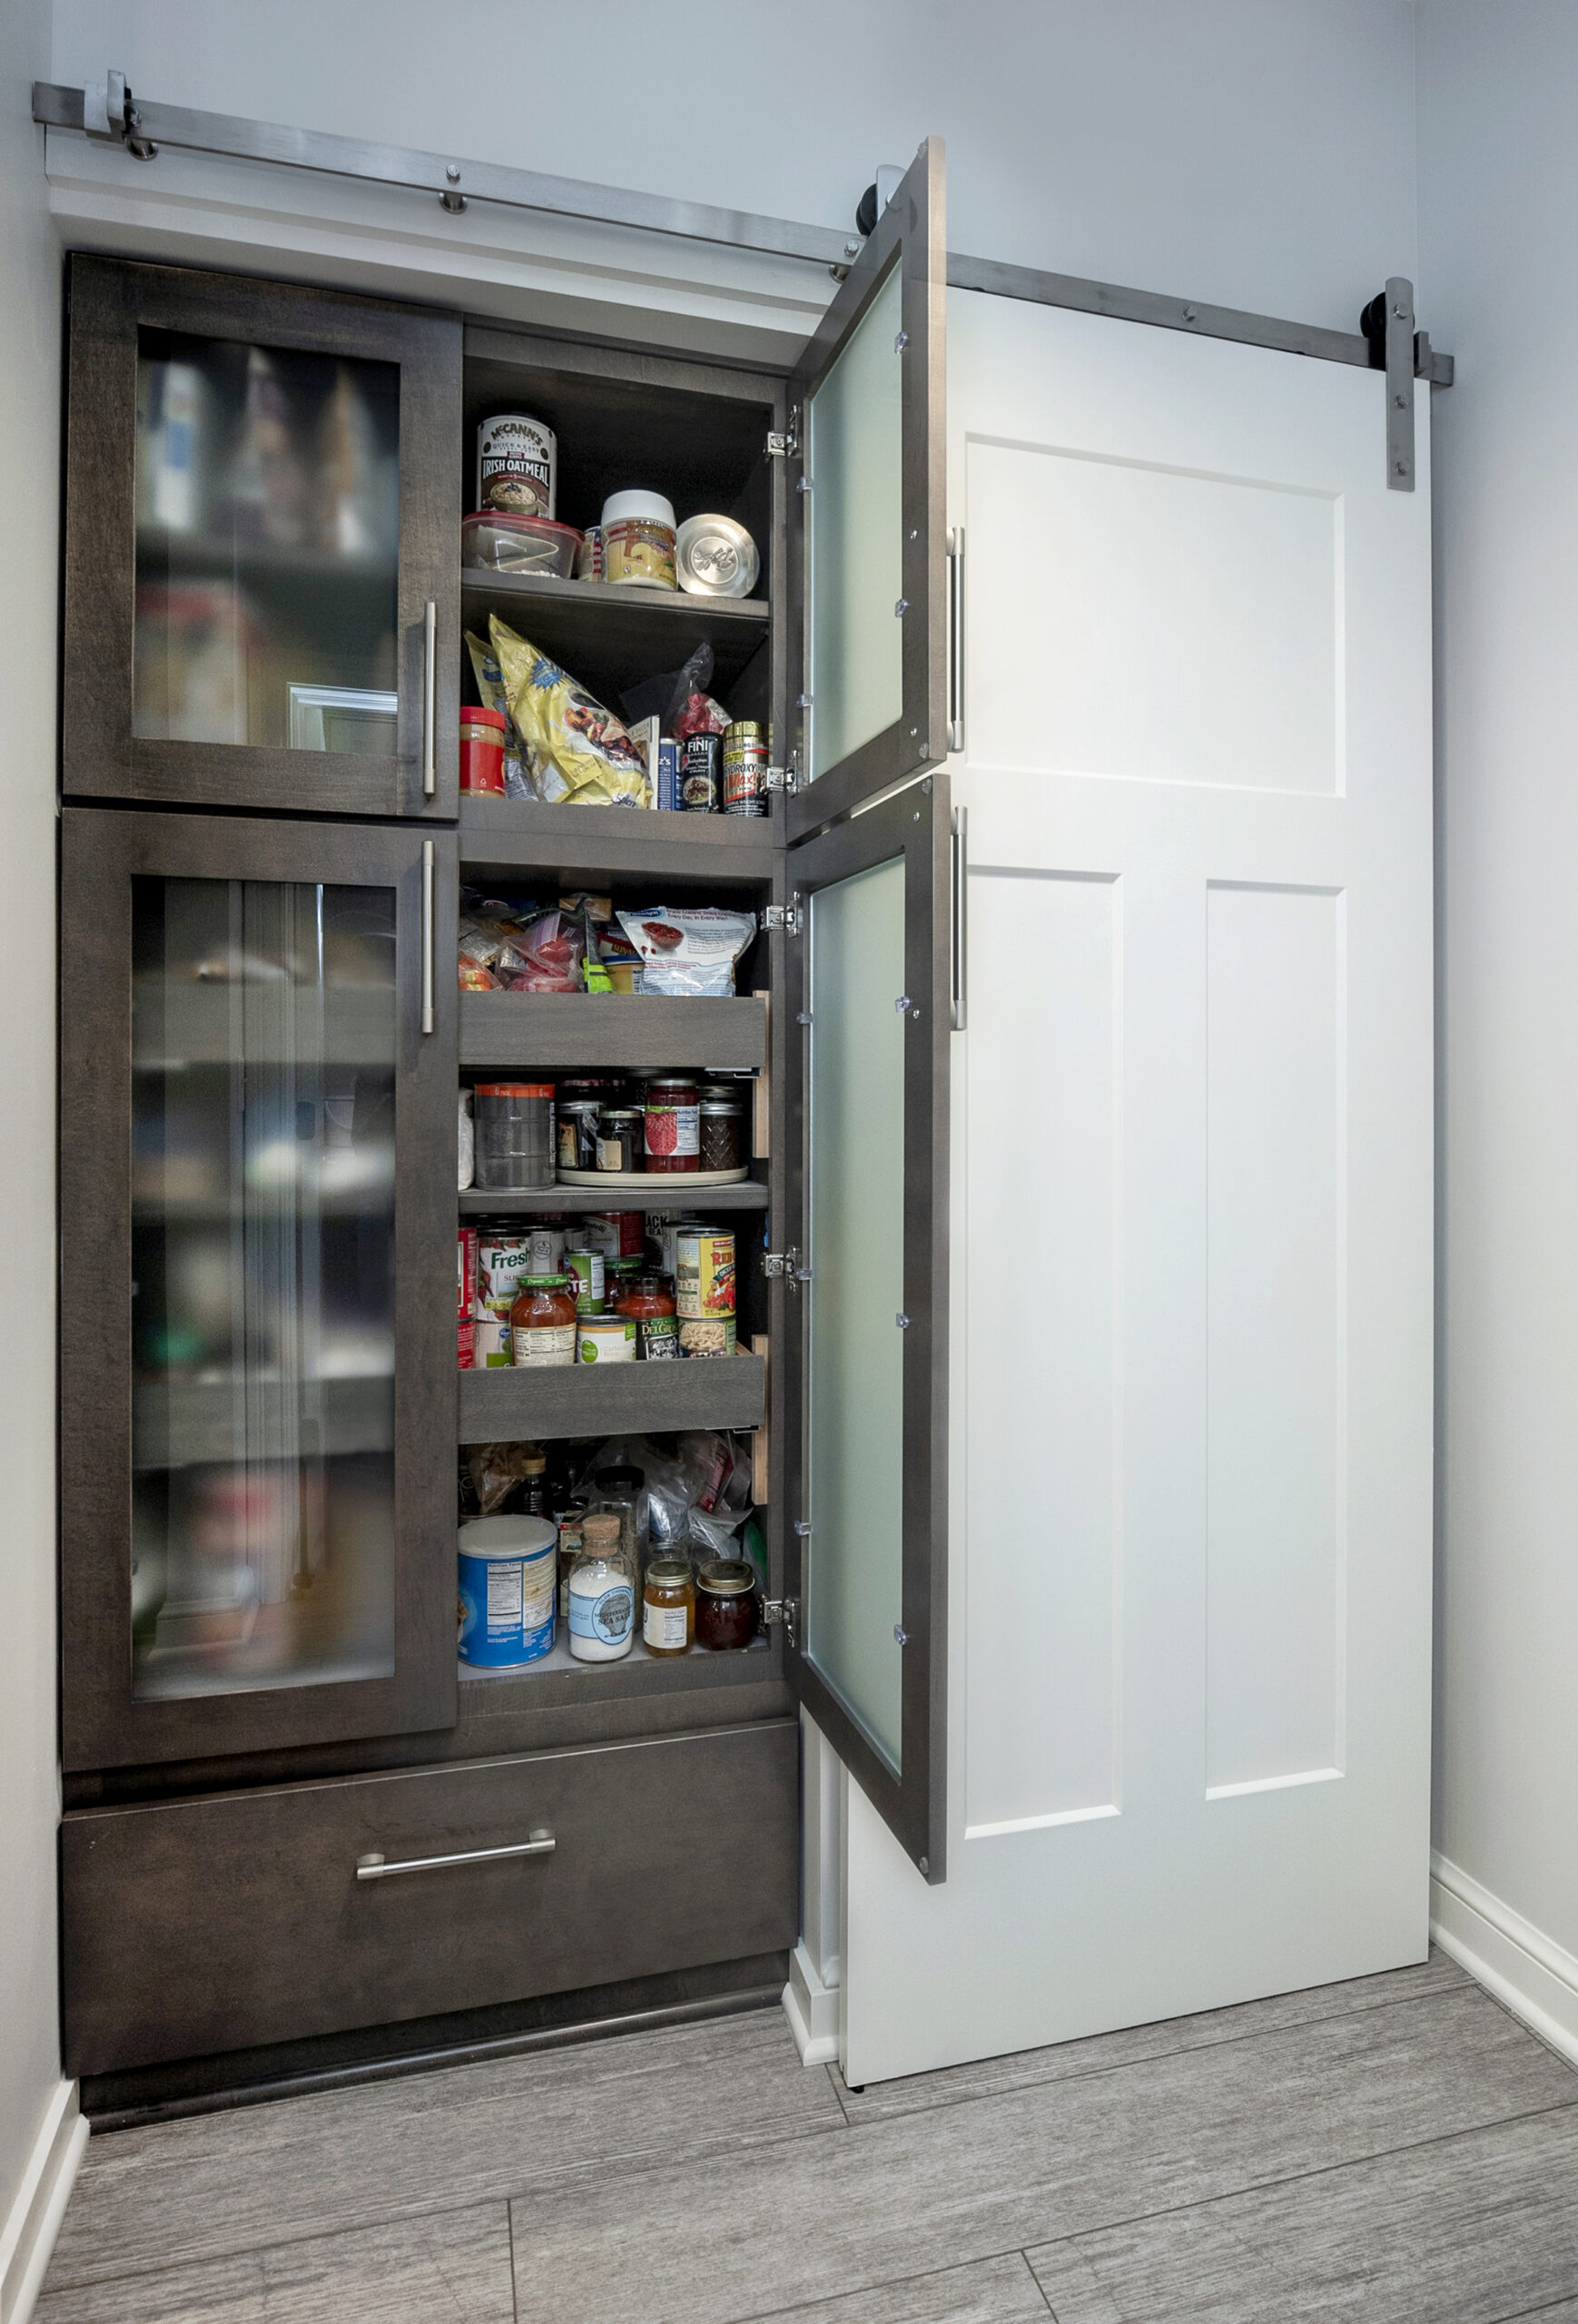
x,y
668,1607
672,1124
620,1138
722,1127
725,1604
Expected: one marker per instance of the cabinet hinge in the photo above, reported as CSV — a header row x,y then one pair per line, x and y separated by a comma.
x,y
782,445
788,1265
781,1610
786,917
782,778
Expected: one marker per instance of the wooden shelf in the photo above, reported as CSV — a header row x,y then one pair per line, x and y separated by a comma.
x,y
598,628
660,1193
615,1399
501,1031
591,846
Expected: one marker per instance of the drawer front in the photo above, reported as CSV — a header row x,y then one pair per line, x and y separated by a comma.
x,y
218,1924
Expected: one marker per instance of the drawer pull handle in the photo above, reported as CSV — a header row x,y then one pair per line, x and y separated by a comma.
x,y
376,1867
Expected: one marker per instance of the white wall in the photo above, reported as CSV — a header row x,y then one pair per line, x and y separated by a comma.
x,y
29,495
1257,152
1499,198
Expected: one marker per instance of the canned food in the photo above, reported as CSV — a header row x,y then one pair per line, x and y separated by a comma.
x,y
715,1336
517,458
585,1270
618,1233
468,1298
744,768
607,1339
503,1259
509,1570
704,1276
700,773
482,734
716,557
546,1252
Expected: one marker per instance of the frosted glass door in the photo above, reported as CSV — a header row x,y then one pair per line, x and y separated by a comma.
x,y
867,550
866,1304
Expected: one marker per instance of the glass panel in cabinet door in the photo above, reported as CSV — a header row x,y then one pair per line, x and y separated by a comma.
x,y
267,543
264,1049
854,1562
854,536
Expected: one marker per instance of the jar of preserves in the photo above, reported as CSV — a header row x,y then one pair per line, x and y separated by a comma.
x,y
542,1322
668,1607
673,1123
619,1138
602,1592
725,1604
577,1133
650,1299
722,1127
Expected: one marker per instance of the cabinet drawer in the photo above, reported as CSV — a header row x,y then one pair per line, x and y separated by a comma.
x,y
218,1924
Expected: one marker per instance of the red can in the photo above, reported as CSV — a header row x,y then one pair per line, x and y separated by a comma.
x,y
467,1311
482,734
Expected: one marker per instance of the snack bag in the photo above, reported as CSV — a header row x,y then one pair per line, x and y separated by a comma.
x,y
571,739
688,949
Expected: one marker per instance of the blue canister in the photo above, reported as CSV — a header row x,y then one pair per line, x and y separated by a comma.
x,y
508,1582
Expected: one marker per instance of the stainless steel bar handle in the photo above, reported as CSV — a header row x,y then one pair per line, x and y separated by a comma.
x,y
961,927
377,1868
427,936
429,699
956,638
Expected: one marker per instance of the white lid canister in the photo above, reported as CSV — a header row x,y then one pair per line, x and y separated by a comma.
x,y
507,1537
651,507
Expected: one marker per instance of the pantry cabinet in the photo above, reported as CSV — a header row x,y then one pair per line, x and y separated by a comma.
x,y
262,502
284,1808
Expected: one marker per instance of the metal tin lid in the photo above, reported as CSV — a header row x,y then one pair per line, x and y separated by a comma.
x,y
515,1089
476,715
668,1573
507,1537
716,557
726,1577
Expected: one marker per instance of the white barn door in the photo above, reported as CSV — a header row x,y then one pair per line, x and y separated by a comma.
x,y
1189,1567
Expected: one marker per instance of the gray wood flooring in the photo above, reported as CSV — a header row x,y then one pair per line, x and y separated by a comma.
x,y
1394,2150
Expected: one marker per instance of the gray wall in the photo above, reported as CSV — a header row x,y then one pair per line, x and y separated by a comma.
x,y
29,419
1499,267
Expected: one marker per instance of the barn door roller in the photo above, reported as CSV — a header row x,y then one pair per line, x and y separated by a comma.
x,y
1399,350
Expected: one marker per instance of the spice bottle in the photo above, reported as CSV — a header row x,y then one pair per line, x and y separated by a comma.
x,y
668,1607
602,1592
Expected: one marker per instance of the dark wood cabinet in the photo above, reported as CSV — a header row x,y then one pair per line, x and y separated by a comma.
x,y
261,1044
261,514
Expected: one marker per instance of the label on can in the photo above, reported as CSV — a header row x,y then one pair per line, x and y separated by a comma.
x,y
700,757
745,763
501,1261
656,1337
607,1339
667,771
715,1336
704,1272
546,1251
491,1343
663,1627
618,1233
543,1343
585,1270
515,459
608,1617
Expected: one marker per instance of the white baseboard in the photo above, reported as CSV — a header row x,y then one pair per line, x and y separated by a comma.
x,y
811,2005
27,2235
1507,1955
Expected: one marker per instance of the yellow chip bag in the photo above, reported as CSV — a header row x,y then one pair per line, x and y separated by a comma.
x,y
568,734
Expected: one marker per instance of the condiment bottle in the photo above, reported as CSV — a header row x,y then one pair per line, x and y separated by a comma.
x,y
542,1322
602,1592
668,1607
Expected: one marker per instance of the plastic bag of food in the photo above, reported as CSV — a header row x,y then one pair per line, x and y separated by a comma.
x,y
517,784
571,738
497,1473
688,949
698,714
543,955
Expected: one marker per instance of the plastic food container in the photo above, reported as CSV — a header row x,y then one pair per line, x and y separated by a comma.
x,y
504,542
639,538
508,1584
515,1136
482,735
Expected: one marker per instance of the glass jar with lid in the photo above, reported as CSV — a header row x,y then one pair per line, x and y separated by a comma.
x,y
673,1123
617,1489
619,1138
668,1607
542,1321
602,1592
726,1605
722,1126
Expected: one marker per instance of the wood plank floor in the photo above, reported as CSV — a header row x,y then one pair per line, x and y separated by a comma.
x,y
1394,2150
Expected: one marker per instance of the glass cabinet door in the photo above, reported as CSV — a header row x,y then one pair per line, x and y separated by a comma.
x,y
257,1538
262,506
868,553
871,982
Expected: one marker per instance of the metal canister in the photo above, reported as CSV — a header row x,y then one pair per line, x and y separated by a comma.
x,y
700,782
716,557
744,768
516,460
